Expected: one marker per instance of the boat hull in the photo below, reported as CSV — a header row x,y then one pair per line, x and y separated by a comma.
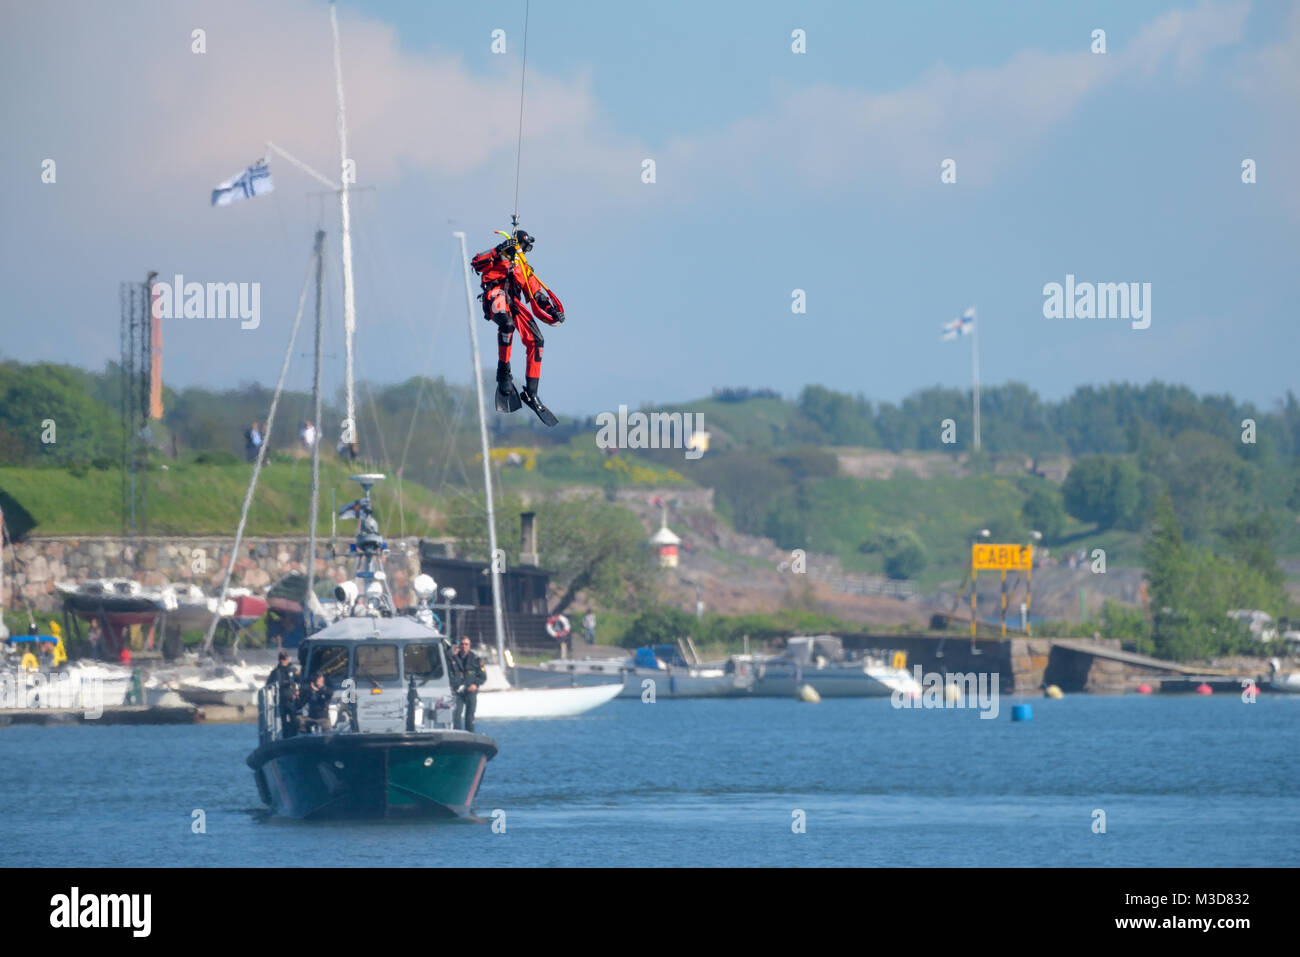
x,y
675,683
372,775
1285,683
511,703
830,683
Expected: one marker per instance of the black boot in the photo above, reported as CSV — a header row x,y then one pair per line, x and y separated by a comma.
x,y
530,399
507,394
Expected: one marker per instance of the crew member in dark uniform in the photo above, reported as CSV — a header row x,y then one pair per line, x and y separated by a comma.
x,y
316,701
282,674
469,674
285,676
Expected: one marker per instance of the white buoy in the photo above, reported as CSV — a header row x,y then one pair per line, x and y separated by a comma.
x,y
809,693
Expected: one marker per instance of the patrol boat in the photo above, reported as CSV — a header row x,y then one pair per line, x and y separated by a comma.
x,y
391,750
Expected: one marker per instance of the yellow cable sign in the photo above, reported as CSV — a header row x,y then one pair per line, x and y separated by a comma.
x,y
1003,557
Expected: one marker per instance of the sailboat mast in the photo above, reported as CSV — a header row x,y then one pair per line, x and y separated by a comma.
x,y
345,216
316,423
487,461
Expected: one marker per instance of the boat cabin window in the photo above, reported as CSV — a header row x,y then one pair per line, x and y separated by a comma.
x,y
332,662
422,661
377,663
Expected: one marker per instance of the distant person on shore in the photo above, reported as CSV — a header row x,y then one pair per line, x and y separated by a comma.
x,y
467,675
317,702
253,441
308,435
589,627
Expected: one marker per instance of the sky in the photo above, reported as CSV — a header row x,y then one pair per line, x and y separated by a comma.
x,y
775,171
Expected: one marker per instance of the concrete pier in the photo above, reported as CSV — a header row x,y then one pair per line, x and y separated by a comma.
x,y
1027,665
126,714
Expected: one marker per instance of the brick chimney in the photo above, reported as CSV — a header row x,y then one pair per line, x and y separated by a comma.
x,y
528,538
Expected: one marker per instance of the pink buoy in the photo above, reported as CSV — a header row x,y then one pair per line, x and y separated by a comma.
x,y
1203,688
1144,689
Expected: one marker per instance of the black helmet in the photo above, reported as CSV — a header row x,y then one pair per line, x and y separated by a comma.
x,y
524,240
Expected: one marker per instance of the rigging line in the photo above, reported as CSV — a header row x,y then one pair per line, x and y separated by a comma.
x,y
261,458
441,423
519,146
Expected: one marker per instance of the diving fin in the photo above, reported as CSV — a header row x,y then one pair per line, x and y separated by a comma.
x,y
507,394
531,400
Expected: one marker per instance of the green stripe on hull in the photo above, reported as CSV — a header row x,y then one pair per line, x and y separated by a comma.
x,y
450,780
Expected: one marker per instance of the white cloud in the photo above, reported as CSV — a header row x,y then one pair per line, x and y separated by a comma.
x,y
986,117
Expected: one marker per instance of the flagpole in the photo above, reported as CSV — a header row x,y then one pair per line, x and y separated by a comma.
x,y
975,371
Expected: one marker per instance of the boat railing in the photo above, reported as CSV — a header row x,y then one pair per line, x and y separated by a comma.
x,y
268,713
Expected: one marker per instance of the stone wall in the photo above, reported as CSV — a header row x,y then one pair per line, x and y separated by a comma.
x,y
35,565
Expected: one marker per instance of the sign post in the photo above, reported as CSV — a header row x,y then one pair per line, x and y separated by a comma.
x,y
1000,558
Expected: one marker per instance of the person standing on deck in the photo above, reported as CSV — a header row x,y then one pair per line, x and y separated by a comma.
x,y
317,702
468,675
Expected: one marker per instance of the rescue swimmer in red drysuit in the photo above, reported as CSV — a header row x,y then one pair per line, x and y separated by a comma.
x,y
513,297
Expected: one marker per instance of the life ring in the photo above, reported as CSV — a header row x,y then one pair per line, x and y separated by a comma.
x,y
557,626
900,661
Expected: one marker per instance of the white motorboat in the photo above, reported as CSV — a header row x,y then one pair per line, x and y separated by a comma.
x,y
232,685
672,674
820,661
498,699
195,608
1287,682
76,686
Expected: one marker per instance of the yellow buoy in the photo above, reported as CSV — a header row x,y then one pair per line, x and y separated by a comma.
x,y
1054,692
809,693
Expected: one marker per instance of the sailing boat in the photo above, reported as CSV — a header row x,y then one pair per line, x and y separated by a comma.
x,y
498,698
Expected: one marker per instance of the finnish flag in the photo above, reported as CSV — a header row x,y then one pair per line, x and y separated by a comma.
x,y
962,326
253,181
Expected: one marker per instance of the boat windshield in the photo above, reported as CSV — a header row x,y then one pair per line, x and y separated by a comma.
x,y
332,662
377,663
422,661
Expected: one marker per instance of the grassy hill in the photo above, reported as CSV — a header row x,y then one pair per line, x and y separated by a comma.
x,y
944,512
203,499
760,423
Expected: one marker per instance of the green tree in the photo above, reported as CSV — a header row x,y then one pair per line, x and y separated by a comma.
x,y
593,546
658,625
1128,624
901,549
746,483
1104,489
1044,512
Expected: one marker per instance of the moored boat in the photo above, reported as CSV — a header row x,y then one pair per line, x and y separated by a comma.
x,y
498,699
821,662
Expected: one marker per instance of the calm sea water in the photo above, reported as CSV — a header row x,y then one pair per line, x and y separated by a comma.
x,y
1182,781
